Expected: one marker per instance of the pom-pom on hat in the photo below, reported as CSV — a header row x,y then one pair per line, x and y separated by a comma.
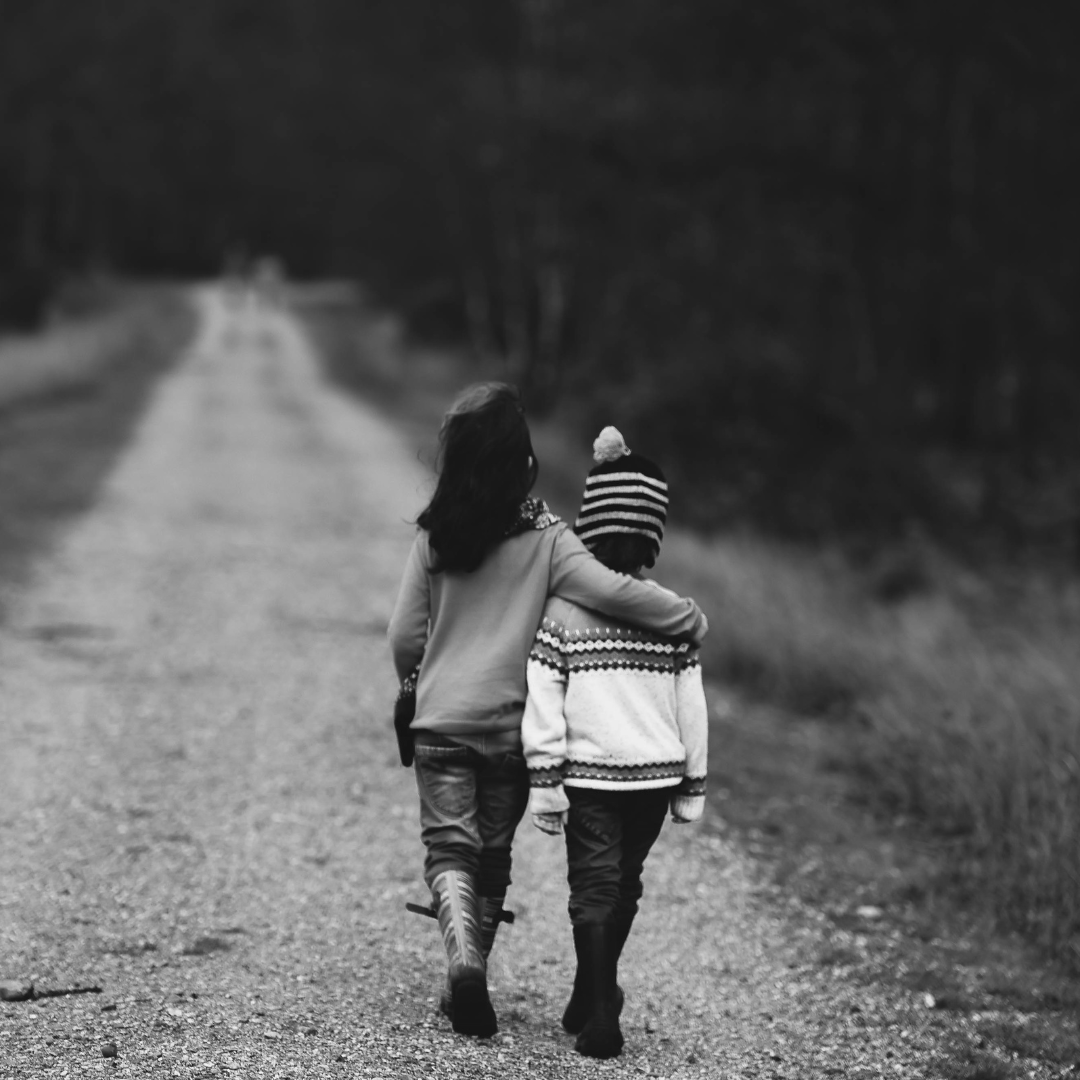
x,y
624,493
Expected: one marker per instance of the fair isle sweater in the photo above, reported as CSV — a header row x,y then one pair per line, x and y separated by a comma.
x,y
614,708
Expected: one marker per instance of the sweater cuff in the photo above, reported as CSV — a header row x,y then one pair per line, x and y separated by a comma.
x,y
549,800
545,776
692,786
688,807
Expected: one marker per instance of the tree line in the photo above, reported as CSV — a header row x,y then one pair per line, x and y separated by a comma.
x,y
824,253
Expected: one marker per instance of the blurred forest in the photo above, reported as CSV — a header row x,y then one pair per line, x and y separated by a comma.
x,y
820,258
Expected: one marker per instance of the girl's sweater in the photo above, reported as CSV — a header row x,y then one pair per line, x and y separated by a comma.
x,y
473,631
614,708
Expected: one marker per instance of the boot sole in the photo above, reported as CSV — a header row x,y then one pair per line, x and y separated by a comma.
x,y
600,1041
472,1012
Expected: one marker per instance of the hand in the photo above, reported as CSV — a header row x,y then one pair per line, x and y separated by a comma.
x,y
550,823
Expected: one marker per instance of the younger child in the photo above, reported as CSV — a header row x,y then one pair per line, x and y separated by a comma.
x,y
485,559
615,731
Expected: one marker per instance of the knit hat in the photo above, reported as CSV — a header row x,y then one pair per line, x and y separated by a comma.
x,y
624,493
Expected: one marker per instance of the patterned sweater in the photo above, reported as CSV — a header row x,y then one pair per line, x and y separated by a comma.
x,y
613,707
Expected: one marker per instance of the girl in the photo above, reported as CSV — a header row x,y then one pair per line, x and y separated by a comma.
x,y
615,732
485,559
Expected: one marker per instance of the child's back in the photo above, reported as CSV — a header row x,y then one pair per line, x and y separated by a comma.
x,y
618,708
474,630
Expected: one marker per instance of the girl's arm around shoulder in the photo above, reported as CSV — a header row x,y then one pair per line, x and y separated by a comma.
x,y
408,630
578,576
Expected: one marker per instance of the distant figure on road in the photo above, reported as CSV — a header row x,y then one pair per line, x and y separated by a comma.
x,y
268,281
615,732
485,560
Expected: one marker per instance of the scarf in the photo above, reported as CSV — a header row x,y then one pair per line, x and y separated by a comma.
x,y
532,514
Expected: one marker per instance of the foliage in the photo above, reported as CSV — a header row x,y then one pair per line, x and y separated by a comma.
x,y
848,226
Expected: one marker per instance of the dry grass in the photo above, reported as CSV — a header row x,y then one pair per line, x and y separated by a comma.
x,y
66,360
969,705
68,400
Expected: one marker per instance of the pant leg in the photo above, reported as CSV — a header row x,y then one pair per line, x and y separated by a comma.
x,y
446,775
502,796
594,837
643,814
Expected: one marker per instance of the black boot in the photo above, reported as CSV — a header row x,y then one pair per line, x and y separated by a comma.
x,y
601,1036
458,909
491,914
577,1008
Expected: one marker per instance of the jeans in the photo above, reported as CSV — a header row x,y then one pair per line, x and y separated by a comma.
x,y
471,801
608,836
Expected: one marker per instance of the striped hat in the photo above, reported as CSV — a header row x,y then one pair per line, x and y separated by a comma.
x,y
624,493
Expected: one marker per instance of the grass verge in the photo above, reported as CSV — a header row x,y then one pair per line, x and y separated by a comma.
x,y
68,400
954,710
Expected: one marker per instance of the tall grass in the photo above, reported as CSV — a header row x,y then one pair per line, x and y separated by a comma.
x,y
69,397
68,359
968,706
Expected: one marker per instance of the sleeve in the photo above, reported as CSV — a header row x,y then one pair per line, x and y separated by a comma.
x,y
692,716
543,726
408,630
578,576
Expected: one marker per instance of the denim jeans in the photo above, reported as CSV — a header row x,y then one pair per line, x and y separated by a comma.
x,y
471,801
608,836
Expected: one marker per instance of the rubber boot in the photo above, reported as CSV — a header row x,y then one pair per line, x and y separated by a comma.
x,y
490,916
458,910
601,1036
491,908
577,1008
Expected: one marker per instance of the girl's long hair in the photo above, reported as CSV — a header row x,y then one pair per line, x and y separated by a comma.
x,y
486,470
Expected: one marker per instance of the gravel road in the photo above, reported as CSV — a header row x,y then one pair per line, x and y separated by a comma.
x,y
203,815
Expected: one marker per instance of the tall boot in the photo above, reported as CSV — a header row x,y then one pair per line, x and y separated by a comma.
x,y
491,908
490,916
622,932
601,1036
458,910
577,1008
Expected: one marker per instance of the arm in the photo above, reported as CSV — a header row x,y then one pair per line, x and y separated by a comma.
x,y
543,728
578,576
408,630
692,716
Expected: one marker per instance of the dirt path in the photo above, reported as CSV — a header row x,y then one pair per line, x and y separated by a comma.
x,y
202,812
